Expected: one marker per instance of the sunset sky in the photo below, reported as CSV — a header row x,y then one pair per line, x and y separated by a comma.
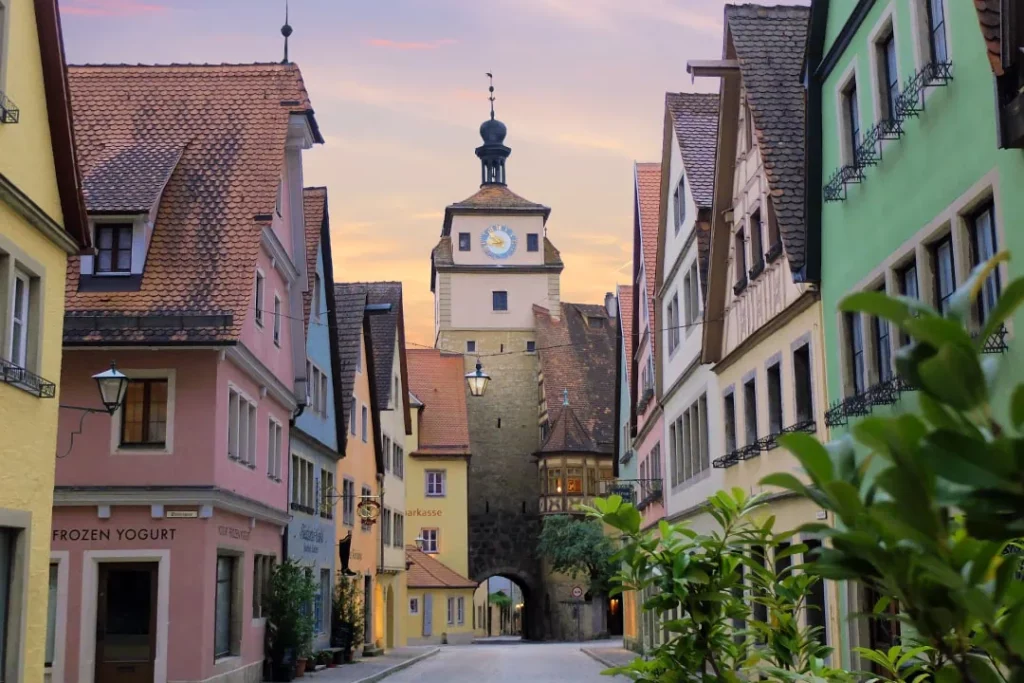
x,y
399,92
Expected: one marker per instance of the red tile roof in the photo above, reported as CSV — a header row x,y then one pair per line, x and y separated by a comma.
x,y
231,123
425,571
497,197
625,294
988,19
314,207
648,199
438,380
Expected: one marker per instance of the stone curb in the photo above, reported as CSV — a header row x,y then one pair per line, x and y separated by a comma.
x,y
601,660
397,667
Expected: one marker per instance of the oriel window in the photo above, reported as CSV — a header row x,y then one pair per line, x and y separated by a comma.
x,y
114,248
144,414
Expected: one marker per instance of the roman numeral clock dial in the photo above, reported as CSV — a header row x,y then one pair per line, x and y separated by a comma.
x,y
498,241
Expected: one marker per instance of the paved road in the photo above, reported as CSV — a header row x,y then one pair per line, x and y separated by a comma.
x,y
540,663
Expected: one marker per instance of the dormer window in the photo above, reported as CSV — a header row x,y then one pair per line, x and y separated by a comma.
x,y
114,248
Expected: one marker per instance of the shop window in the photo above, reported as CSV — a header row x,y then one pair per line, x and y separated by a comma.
x,y
224,607
262,569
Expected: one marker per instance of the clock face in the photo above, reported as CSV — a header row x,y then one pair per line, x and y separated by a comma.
x,y
498,241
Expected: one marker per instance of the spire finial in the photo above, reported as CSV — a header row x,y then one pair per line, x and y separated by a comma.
x,y
286,31
565,398
490,89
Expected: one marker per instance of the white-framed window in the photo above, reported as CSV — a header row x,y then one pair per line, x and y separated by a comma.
x,y
303,484
348,498
385,527
387,453
277,320
262,569
693,300
399,531
17,350
673,317
225,643
430,540
451,610
261,287
414,605
114,248
275,437
327,494
398,467
352,416
460,610
435,483
316,389
241,428
679,203
315,303
366,416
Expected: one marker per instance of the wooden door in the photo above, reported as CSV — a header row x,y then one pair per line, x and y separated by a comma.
x,y
428,613
126,622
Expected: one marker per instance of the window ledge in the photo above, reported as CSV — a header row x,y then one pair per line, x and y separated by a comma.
x,y
774,252
227,659
136,450
756,270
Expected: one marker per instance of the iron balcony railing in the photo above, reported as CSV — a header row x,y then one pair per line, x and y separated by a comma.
x,y
26,380
8,111
639,492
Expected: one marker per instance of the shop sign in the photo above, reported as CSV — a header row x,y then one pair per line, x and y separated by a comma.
x,y
420,512
312,538
119,534
232,532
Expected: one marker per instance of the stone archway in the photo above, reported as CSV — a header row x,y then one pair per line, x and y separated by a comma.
x,y
532,612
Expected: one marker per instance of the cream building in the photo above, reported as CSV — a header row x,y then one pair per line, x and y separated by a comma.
x,y
763,321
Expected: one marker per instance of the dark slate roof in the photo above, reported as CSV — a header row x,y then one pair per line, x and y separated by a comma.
x,y
695,119
131,178
383,329
769,43
350,307
314,209
581,359
568,435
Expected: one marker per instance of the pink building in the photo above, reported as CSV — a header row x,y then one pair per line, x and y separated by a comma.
x,y
646,411
168,516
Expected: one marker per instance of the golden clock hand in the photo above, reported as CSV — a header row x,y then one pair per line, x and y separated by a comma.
x,y
495,240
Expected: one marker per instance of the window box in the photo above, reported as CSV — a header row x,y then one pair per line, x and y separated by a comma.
x,y
774,252
740,286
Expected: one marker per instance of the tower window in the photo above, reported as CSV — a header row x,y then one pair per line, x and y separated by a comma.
x,y
531,346
463,241
470,346
532,241
499,301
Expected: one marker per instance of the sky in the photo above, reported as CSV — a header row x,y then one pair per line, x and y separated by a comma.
x,y
399,91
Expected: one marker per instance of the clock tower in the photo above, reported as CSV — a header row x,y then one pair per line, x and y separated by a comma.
x,y
492,266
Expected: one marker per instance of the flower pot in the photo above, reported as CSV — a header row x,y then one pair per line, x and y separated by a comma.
x,y
339,657
300,667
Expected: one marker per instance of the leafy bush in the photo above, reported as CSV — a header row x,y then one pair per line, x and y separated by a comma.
x,y
578,547
289,617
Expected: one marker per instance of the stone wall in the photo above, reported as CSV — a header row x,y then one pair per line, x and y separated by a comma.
x,y
504,488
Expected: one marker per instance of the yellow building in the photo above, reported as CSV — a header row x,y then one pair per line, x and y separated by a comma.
x,y
42,221
360,472
763,324
439,596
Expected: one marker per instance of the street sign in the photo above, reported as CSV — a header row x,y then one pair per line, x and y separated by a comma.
x,y
181,514
577,592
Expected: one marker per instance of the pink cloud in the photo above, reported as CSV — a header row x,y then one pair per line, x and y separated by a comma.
x,y
111,8
410,45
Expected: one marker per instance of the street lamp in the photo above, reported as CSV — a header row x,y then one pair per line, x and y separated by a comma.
x,y
420,542
112,385
477,380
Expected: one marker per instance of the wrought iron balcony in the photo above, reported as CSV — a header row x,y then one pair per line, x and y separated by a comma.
x,y
909,104
8,111
996,343
17,376
639,492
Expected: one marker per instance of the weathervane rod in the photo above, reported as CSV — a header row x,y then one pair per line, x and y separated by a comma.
x,y
286,31
490,89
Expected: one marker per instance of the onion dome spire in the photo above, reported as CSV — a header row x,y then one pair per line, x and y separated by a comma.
x,y
493,152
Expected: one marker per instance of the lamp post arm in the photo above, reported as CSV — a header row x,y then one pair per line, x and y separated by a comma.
x,y
84,410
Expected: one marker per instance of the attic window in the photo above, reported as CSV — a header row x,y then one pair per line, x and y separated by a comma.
x,y
595,322
114,248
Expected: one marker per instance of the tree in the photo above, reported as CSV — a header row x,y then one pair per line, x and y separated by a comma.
x,y
578,546
289,616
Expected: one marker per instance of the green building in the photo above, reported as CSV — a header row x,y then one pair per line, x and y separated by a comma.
x,y
915,173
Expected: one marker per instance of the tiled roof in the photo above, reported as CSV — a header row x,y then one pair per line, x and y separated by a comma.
x,y
350,307
695,119
130,179
770,43
384,328
437,379
498,197
575,356
625,294
568,435
314,207
988,19
648,198
231,121
425,571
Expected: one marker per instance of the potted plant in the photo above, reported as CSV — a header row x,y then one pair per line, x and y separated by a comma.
x,y
289,619
347,612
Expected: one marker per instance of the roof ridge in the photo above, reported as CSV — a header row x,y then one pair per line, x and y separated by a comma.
x,y
178,65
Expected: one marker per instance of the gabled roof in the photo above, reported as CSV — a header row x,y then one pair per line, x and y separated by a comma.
x,y
580,358
695,122
426,571
648,203
314,209
230,123
58,114
437,379
350,308
769,44
568,435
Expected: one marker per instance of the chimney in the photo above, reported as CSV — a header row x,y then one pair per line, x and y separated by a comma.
x,y
611,304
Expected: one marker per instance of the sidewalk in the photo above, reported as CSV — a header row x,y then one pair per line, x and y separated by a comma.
x,y
610,655
373,669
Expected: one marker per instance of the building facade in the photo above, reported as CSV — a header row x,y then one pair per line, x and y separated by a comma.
x,y
361,470
646,413
492,265
437,498
900,89
687,386
313,441
762,323
42,223
169,515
